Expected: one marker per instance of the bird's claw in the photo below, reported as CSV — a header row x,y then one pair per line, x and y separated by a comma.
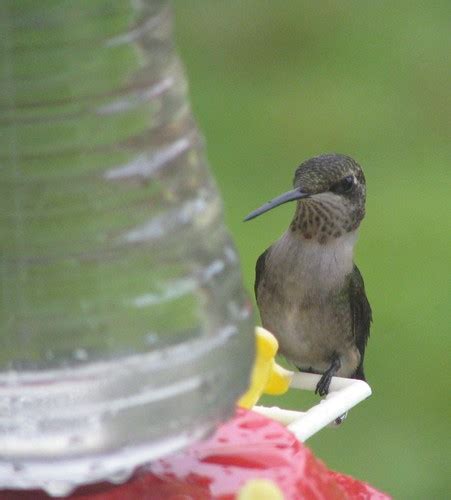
x,y
322,388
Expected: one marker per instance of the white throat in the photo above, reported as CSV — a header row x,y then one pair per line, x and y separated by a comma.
x,y
313,265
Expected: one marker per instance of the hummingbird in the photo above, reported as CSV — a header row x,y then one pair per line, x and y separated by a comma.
x,y
309,292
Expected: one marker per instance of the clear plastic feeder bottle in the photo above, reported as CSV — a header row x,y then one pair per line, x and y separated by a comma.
x,y
125,332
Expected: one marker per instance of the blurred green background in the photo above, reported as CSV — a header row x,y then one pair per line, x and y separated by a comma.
x,y
273,83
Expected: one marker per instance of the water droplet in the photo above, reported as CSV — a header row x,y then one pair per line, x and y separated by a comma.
x,y
80,354
58,488
50,355
95,467
120,476
75,439
151,338
93,420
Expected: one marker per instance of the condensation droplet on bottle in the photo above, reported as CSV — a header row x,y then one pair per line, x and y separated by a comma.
x,y
59,488
80,354
151,339
49,354
120,476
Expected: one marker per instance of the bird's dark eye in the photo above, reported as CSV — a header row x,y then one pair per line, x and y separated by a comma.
x,y
344,185
347,182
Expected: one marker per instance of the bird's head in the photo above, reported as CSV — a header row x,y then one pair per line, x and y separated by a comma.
x,y
330,191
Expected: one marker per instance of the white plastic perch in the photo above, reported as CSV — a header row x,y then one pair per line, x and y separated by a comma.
x,y
344,393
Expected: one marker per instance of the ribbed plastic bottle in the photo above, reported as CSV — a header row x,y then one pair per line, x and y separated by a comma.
x,y
125,332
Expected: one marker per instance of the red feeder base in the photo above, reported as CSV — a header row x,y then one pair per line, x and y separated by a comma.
x,y
247,447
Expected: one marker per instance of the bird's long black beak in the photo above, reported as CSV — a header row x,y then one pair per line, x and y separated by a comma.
x,y
295,194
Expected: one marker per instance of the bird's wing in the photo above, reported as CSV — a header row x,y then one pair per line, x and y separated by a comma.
x,y
361,316
259,269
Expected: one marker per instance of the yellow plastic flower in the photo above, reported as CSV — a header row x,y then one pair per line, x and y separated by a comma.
x,y
267,376
259,489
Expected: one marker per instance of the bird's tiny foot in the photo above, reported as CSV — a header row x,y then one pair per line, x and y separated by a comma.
x,y
322,388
